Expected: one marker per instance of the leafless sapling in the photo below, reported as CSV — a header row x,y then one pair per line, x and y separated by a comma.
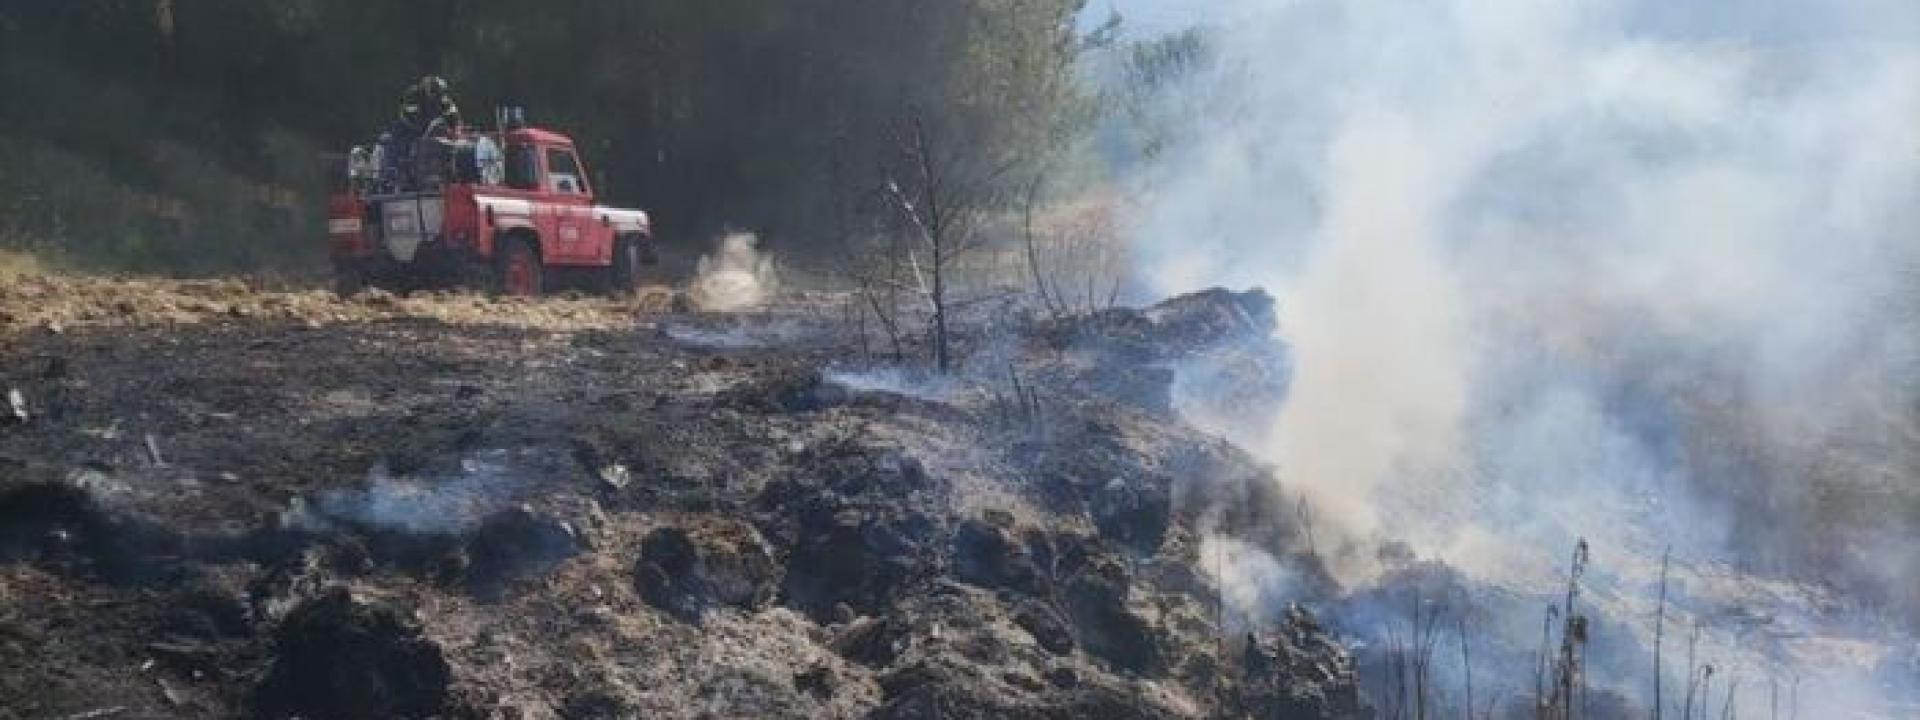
x,y
944,200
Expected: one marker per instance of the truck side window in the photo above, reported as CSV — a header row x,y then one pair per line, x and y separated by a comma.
x,y
523,168
563,172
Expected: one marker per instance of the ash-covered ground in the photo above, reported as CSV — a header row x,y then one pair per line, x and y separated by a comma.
x,y
218,502
223,501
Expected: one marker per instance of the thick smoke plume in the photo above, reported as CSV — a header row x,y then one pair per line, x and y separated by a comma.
x,y
736,276
1619,269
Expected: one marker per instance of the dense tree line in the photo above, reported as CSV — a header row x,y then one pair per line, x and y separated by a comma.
x,y
195,135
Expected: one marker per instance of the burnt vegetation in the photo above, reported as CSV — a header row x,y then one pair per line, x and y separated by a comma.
x,y
935,465
645,527
650,523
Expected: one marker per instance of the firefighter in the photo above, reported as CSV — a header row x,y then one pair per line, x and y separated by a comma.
x,y
427,111
426,102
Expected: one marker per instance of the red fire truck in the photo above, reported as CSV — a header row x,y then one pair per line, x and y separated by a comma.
x,y
511,210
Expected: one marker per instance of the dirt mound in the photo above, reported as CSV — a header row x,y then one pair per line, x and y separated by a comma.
x,y
61,525
960,652
517,543
1175,327
41,517
1096,603
1211,356
339,656
1133,512
987,553
856,527
860,557
705,562
1077,594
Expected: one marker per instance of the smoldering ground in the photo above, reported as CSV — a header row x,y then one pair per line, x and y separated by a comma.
x,y
1620,270
736,276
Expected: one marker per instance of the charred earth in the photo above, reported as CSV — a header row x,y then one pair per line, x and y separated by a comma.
x,y
217,501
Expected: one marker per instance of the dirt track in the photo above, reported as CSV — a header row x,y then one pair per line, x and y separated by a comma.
x,y
227,502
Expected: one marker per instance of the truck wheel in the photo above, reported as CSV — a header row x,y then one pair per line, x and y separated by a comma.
x,y
624,276
520,273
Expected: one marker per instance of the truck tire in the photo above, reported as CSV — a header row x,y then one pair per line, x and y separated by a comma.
x,y
624,276
520,273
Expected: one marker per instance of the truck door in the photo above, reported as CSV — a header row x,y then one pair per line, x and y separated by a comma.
x,y
523,177
573,228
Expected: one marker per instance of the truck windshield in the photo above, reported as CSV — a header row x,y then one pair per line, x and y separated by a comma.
x,y
523,168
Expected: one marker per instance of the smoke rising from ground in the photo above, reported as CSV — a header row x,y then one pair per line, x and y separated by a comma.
x,y
1373,322
1626,270
1253,585
896,380
736,276
441,503
1504,202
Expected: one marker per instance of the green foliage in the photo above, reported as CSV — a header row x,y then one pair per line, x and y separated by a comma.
x,y
202,135
1142,92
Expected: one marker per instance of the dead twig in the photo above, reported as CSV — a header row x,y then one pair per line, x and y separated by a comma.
x,y
1659,630
153,451
1466,656
1693,643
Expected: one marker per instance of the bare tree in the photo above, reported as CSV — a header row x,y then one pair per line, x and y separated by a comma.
x,y
943,196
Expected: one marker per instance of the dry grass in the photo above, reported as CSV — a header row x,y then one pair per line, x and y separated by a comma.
x,y
1081,256
16,264
53,302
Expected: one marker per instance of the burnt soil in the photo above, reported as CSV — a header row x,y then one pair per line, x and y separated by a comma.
x,y
222,502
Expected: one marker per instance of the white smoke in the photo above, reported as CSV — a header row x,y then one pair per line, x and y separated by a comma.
x,y
1374,322
749,333
896,380
1252,583
444,503
1441,193
736,276
1547,267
